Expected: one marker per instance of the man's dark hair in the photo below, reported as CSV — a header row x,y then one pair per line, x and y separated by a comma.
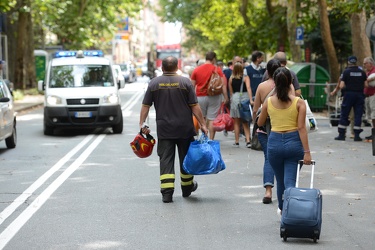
x,y
255,55
272,65
170,64
210,56
230,63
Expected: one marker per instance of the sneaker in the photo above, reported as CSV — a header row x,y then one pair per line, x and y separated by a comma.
x,y
248,144
357,138
340,138
368,137
193,188
236,145
167,198
279,213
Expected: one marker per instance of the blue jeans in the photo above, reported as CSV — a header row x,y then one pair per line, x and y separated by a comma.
x,y
284,151
268,174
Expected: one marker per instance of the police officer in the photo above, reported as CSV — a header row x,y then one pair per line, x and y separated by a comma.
x,y
353,80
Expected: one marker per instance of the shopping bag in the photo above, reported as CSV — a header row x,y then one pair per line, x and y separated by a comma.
x,y
203,157
311,124
245,110
223,120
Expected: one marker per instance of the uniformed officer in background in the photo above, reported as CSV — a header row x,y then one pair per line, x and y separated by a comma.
x,y
354,81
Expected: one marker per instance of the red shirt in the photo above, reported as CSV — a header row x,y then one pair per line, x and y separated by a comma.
x,y
369,91
201,75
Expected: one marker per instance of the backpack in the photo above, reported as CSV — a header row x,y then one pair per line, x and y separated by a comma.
x,y
215,84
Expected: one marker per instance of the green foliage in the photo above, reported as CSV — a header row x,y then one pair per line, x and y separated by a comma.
x,y
82,24
6,5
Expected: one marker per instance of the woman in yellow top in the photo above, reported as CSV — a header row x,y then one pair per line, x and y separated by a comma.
x,y
288,141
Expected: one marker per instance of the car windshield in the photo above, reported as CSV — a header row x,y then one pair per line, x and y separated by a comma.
x,y
124,67
73,76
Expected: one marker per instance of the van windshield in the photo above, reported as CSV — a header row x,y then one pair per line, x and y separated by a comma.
x,y
73,76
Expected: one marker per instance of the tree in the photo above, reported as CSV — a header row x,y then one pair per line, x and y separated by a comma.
x,y
327,41
78,24
361,43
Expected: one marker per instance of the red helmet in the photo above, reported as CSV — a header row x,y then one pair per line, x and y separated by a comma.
x,y
142,146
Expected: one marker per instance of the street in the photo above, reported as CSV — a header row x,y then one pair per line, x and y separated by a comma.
x,y
85,189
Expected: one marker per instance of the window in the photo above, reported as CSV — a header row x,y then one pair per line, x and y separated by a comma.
x,y
72,76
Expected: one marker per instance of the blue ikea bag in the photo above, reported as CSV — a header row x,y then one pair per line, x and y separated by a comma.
x,y
203,157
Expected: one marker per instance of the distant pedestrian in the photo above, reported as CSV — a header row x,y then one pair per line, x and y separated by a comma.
x,y
288,141
210,105
369,65
354,80
237,95
281,56
255,71
175,102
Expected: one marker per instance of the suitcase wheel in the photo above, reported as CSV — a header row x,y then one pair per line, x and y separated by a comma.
x,y
283,234
316,236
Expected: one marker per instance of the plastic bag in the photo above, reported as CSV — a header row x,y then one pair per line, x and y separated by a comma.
x,y
203,157
311,124
223,120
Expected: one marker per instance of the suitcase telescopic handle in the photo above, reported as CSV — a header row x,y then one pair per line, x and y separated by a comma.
x,y
300,164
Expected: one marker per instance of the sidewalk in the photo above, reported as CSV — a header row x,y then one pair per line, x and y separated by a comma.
x,y
28,102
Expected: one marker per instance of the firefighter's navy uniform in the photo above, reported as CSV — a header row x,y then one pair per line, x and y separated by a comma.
x,y
354,79
172,96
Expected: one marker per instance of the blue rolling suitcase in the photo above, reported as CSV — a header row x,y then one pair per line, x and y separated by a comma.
x,y
302,210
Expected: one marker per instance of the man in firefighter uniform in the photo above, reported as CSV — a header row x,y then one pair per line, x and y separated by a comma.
x,y
175,102
354,81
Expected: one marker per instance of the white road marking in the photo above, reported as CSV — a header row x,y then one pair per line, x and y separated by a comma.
x,y
17,224
21,220
30,190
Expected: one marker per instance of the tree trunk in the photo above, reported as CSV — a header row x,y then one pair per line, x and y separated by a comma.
x,y
360,42
19,72
29,55
283,31
292,25
327,41
24,53
11,36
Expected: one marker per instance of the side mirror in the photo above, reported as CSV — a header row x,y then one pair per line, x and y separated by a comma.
x,y
121,84
41,85
4,99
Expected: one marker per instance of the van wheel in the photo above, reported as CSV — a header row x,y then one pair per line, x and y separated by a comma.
x,y
48,130
117,129
11,141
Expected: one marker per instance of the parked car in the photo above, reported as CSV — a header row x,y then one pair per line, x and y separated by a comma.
x,y
8,131
129,72
120,79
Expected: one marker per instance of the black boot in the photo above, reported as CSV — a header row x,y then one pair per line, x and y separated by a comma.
x,y
356,134
341,136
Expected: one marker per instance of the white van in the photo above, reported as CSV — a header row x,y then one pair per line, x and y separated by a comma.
x,y
80,91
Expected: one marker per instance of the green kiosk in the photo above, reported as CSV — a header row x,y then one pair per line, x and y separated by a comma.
x,y
312,79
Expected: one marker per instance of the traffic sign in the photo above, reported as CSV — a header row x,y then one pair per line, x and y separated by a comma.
x,y
299,35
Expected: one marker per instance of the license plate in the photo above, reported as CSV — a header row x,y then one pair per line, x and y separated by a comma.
x,y
82,114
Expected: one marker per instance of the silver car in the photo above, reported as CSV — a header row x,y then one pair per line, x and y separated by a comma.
x,y
8,130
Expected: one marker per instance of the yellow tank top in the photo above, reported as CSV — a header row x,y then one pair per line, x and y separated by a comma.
x,y
283,119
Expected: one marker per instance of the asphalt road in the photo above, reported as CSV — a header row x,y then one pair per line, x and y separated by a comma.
x,y
85,189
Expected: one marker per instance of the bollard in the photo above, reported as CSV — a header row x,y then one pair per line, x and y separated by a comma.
x,y
373,141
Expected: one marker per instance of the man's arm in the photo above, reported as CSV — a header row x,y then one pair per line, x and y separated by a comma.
x,y
197,112
142,118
